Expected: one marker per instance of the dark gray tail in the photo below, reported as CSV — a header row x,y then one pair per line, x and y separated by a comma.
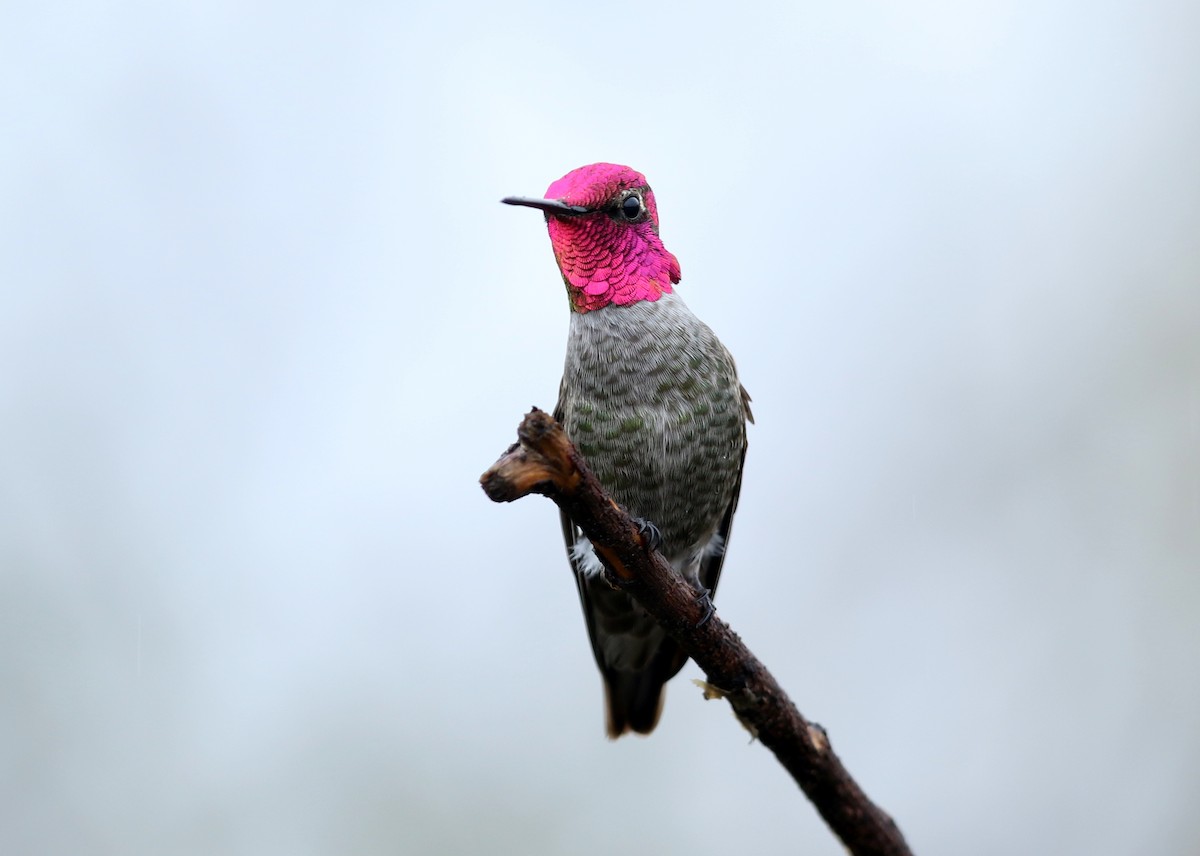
x,y
634,701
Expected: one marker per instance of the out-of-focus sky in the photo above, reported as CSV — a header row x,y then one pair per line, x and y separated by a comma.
x,y
263,323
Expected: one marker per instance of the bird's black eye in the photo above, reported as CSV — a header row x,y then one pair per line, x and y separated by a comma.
x,y
631,208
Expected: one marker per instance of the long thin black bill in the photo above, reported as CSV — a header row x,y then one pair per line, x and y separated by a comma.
x,y
550,206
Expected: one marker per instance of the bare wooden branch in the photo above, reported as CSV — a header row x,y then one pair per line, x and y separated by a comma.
x,y
544,461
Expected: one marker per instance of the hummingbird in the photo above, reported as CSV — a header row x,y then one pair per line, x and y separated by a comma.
x,y
652,400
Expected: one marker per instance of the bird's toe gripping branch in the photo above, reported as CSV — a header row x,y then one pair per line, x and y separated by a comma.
x,y
651,537
648,538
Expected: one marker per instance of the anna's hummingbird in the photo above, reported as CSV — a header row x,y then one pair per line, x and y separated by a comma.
x,y
651,398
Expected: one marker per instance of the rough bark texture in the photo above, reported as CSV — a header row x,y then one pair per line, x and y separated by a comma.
x,y
544,461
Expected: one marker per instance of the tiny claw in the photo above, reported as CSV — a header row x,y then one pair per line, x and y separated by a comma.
x,y
651,537
704,596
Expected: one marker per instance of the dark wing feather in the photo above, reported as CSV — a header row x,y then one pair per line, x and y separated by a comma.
x,y
710,567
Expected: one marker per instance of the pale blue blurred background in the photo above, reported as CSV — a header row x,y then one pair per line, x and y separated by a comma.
x,y
263,323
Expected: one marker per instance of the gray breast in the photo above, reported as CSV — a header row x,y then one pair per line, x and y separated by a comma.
x,y
651,398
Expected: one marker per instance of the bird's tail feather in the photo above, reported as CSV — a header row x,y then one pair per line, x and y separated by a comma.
x,y
634,701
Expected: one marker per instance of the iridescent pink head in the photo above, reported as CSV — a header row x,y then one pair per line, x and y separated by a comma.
x,y
603,225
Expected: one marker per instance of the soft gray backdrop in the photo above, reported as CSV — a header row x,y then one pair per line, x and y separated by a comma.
x,y
263,323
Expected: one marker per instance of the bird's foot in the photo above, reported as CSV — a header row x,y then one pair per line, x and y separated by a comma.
x,y
704,597
651,537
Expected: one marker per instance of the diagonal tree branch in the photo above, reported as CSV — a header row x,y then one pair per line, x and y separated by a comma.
x,y
546,462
